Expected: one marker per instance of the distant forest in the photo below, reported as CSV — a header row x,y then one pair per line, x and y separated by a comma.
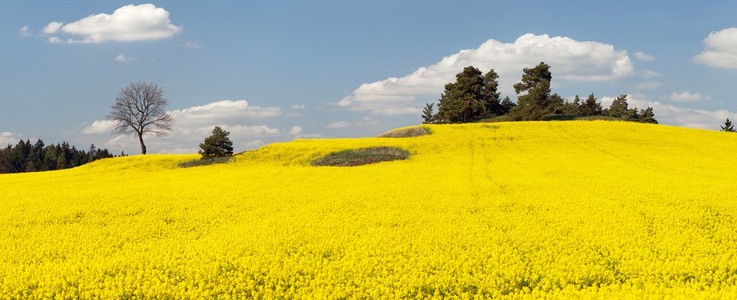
x,y
27,157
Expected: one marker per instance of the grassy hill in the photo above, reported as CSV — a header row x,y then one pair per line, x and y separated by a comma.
x,y
520,210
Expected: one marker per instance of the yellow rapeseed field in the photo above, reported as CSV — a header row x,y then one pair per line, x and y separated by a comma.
x,y
587,209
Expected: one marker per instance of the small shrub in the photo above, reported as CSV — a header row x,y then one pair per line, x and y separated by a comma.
x,y
364,156
407,132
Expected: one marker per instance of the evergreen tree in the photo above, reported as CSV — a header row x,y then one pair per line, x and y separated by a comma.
x,y
557,103
536,102
633,115
618,109
648,116
507,105
428,116
470,98
490,94
591,107
728,126
572,108
217,145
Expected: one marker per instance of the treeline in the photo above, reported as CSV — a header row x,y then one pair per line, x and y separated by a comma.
x,y
474,97
27,157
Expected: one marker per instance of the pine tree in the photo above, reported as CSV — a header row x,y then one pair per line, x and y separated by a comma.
x,y
648,116
427,113
217,145
470,98
572,108
536,102
619,109
591,107
507,105
728,126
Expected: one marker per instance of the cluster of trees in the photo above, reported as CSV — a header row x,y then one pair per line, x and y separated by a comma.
x,y
474,96
27,157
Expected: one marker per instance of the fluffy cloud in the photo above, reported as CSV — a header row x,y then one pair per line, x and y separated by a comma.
x,y
100,126
126,24
685,96
570,60
680,116
193,124
8,138
224,110
721,49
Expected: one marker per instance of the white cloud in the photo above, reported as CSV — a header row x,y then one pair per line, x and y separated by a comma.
x,y
24,31
126,24
55,40
52,28
9,138
123,58
100,126
644,56
721,49
570,60
248,130
192,44
298,106
339,125
686,96
680,116
224,110
295,130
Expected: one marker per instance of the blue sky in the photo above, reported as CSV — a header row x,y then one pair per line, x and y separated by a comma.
x,y
273,71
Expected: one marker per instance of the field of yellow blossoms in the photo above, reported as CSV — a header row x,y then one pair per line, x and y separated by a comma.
x,y
588,209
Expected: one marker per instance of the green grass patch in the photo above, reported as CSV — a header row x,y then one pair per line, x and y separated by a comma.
x,y
205,162
407,132
363,156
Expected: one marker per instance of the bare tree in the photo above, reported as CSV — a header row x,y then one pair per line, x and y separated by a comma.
x,y
139,109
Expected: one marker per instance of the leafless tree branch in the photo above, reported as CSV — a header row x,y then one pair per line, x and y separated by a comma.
x,y
140,109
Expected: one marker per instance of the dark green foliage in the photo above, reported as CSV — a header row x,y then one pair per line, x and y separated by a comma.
x,y
618,109
536,100
507,105
533,77
428,116
728,126
572,108
357,157
475,98
217,145
27,157
470,98
647,116
590,107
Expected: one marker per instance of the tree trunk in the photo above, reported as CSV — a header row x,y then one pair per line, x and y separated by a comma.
x,y
143,147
